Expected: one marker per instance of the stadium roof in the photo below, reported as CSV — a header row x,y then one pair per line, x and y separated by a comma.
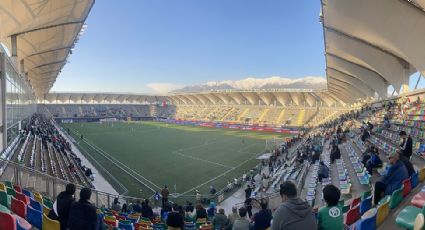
x,y
278,98
370,45
41,35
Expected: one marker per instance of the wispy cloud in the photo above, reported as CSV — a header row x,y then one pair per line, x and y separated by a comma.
x,y
163,88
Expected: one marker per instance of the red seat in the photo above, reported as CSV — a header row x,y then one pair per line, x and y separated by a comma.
x,y
8,222
110,223
17,188
355,202
352,215
19,208
21,223
120,217
22,197
418,200
407,187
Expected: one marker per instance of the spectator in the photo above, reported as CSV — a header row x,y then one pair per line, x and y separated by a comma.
x,y
392,181
175,219
116,205
406,162
233,216
64,202
211,211
83,214
220,220
124,208
248,206
365,134
323,171
213,191
335,153
164,194
293,213
241,223
406,144
147,210
137,207
201,213
263,218
331,216
190,214
248,192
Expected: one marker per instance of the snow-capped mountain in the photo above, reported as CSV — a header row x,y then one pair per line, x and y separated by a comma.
x,y
259,83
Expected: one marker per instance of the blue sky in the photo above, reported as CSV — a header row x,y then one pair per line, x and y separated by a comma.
x,y
130,44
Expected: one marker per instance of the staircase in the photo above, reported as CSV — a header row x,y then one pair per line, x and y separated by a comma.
x,y
263,114
243,114
280,118
301,118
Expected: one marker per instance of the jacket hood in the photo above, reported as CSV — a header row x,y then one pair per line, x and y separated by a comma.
x,y
298,207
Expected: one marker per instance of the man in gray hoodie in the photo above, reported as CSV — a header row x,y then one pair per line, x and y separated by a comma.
x,y
293,213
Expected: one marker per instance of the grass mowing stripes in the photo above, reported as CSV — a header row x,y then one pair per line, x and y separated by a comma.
x,y
144,156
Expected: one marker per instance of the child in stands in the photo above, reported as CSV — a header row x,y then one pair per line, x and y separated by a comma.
x,y
331,216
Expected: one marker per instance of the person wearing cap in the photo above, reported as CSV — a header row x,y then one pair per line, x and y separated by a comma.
x,y
392,181
406,144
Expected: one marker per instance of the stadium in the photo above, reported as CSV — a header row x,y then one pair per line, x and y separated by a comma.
x,y
346,151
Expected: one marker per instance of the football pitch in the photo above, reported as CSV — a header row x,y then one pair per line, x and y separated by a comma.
x,y
139,158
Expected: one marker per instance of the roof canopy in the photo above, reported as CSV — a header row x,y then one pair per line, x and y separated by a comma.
x,y
41,33
372,44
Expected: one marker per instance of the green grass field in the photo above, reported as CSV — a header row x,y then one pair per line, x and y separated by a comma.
x,y
143,156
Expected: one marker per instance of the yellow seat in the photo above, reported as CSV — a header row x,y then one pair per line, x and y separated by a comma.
x,y
201,221
382,213
422,174
171,228
46,210
419,222
49,224
2,187
38,197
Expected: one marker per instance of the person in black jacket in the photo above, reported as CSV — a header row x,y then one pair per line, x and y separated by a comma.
x,y
262,219
83,213
175,218
147,210
406,144
63,204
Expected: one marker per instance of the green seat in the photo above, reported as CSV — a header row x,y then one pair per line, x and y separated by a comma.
x,y
8,184
384,200
406,218
5,200
4,209
10,191
366,194
396,198
48,203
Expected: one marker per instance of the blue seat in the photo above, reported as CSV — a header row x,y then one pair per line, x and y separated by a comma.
x,y
34,217
36,205
368,221
414,180
125,226
27,193
365,205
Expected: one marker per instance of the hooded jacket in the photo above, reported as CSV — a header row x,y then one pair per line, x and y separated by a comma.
x,y
295,214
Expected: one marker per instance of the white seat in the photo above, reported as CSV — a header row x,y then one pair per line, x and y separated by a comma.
x,y
419,222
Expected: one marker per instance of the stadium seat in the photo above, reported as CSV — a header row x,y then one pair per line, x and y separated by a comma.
x,y
419,222
368,221
21,223
27,193
2,187
414,180
34,217
352,215
8,184
418,200
22,197
406,218
383,211
36,205
4,209
355,202
49,224
17,188
18,207
125,225
38,197
8,222
10,191
366,194
396,197
46,210
365,205
422,175
120,217
157,226
4,199
407,187
47,202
